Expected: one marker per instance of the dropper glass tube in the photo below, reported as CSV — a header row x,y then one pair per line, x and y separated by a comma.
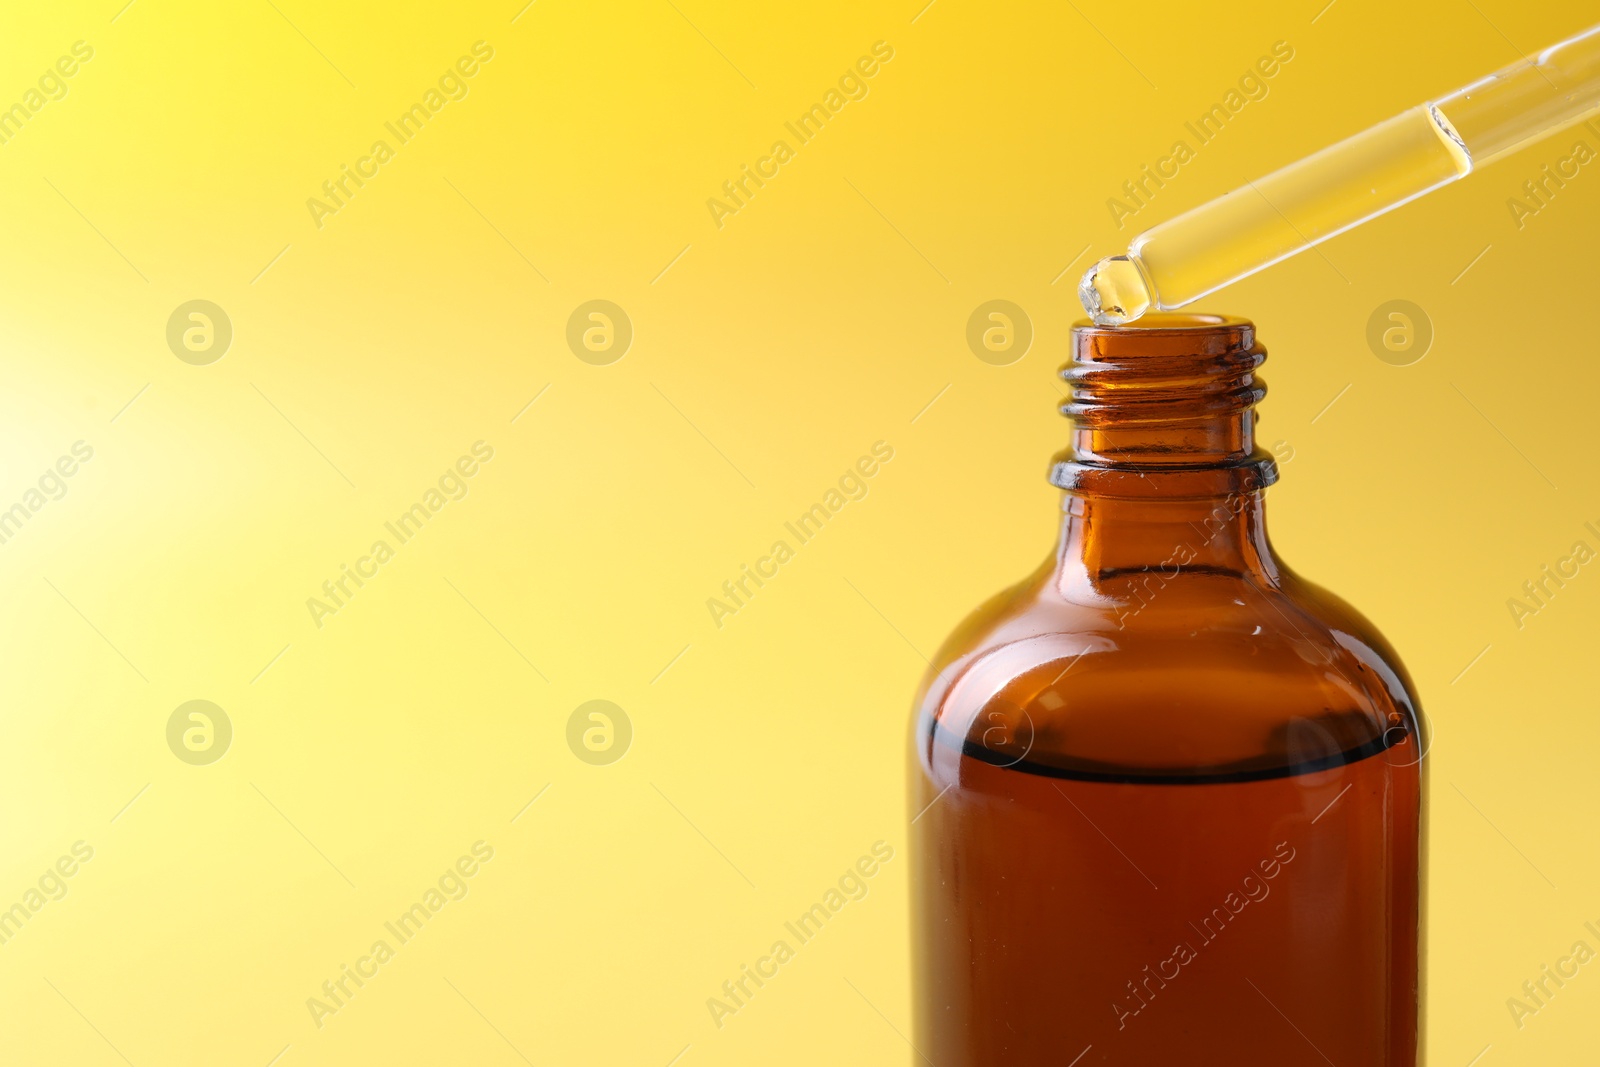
x,y
1344,185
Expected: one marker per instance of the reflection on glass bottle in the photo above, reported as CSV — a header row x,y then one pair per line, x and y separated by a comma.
x,y
1167,794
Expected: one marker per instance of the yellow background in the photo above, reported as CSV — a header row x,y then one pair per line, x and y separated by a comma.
x,y
824,316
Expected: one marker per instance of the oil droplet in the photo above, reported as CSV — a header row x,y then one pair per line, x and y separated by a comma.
x,y
1114,292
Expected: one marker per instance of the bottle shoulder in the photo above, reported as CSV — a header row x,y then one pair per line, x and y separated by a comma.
x,y
1211,675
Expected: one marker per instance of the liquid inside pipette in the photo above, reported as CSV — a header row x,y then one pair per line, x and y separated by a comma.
x,y
1114,292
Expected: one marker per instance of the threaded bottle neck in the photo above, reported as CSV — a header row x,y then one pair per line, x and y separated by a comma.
x,y
1164,408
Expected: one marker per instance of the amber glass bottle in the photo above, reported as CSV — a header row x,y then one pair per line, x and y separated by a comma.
x,y
1166,794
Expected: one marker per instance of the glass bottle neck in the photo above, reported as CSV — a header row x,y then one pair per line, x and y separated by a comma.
x,y
1163,472
1105,538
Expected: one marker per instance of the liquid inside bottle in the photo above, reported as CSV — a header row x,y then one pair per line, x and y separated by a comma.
x,y
1167,795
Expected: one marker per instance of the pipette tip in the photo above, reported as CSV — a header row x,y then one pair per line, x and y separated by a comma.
x,y
1114,292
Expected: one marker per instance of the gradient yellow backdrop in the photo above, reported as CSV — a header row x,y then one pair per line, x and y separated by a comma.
x,y
370,753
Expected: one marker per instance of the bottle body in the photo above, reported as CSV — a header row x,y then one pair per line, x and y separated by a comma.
x,y
1167,796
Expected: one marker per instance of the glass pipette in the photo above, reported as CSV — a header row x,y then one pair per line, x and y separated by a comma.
x,y
1344,185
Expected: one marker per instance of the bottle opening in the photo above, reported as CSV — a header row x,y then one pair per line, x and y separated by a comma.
x,y
1167,320
1163,322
